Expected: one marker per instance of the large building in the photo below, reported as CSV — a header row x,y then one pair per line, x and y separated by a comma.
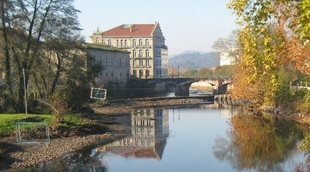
x,y
146,44
108,65
149,130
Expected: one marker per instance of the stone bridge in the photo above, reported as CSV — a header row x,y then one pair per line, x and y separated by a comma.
x,y
181,85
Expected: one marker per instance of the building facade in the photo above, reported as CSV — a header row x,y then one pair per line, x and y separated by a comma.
x,y
112,63
146,44
149,130
226,59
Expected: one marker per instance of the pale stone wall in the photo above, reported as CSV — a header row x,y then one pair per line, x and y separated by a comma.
x,y
114,65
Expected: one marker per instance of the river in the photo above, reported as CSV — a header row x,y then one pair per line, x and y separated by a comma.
x,y
197,138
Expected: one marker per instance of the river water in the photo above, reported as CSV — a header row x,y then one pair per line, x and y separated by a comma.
x,y
199,138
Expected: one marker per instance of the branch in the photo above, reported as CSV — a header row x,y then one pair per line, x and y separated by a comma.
x,y
31,28
40,34
24,9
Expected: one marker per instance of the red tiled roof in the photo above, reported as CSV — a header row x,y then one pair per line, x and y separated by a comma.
x,y
138,152
134,30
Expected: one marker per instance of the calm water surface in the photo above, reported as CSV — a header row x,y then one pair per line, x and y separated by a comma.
x,y
204,138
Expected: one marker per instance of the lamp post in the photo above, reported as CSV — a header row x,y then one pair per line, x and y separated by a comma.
x,y
25,91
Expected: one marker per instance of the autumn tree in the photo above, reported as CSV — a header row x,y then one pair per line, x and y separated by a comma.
x,y
256,142
274,41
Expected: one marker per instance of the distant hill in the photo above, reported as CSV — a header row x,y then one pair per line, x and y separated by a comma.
x,y
195,60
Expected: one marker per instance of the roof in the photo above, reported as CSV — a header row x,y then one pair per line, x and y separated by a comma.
x,y
104,48
131,30
139,151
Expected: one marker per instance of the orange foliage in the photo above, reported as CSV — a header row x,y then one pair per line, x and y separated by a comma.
x,y
299,55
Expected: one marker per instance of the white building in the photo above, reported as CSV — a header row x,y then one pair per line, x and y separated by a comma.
x,y
226,59
149,129
146,44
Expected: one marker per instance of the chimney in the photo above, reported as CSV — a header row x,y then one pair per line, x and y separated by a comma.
x,y
130,28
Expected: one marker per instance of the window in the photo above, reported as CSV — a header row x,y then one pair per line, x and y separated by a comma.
x,y
158,62
134,73
140,42
125,43
134,42
117,43
134,54
121,43
133,63
140,53
147,53
147,74
97,40
140,73
147,63
158,53
157,72
140,63
146,42
109,42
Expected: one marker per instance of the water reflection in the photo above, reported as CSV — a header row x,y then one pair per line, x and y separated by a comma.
x,y
260,143
149,128
213,137
72,162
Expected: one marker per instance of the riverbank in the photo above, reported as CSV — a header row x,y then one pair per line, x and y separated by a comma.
x,y
127,106
124,106
64,140
299,117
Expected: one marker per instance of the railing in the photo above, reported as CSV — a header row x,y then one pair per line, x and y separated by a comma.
x,y
300,85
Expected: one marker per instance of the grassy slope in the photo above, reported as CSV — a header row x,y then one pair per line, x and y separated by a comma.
x,y
8,121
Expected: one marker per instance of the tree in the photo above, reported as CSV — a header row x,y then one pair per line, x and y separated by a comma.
x,y
228,45
256,142
32,31
273,38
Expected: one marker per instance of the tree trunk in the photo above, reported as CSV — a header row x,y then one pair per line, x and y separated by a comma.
x,y
8,76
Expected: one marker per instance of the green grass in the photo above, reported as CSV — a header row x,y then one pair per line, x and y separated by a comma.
x,y
73,119
8,121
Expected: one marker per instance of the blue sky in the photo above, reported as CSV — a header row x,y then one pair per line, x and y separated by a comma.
x,y
188,25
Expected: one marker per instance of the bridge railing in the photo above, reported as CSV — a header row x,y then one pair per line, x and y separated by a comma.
x,y
300,85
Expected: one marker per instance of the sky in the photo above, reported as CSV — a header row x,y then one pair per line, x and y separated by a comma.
x,y
187,25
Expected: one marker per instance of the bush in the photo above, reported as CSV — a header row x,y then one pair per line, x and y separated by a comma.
x,y
304,145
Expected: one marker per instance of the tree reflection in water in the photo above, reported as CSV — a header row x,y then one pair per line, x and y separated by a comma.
x,y
73,162
257,142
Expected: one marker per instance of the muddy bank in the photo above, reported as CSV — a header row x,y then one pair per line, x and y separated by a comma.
x,y
63,142
127,106
123,107
282,113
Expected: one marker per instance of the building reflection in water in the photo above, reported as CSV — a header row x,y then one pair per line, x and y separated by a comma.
x,y
226,110
149,128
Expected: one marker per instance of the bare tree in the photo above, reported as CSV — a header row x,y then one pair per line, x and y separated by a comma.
x,y
31,28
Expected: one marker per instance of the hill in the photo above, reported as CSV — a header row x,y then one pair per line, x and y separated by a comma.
x,y
195,60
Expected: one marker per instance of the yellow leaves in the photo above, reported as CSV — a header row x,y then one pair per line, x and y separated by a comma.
x,y
267,41
267,44
238,6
